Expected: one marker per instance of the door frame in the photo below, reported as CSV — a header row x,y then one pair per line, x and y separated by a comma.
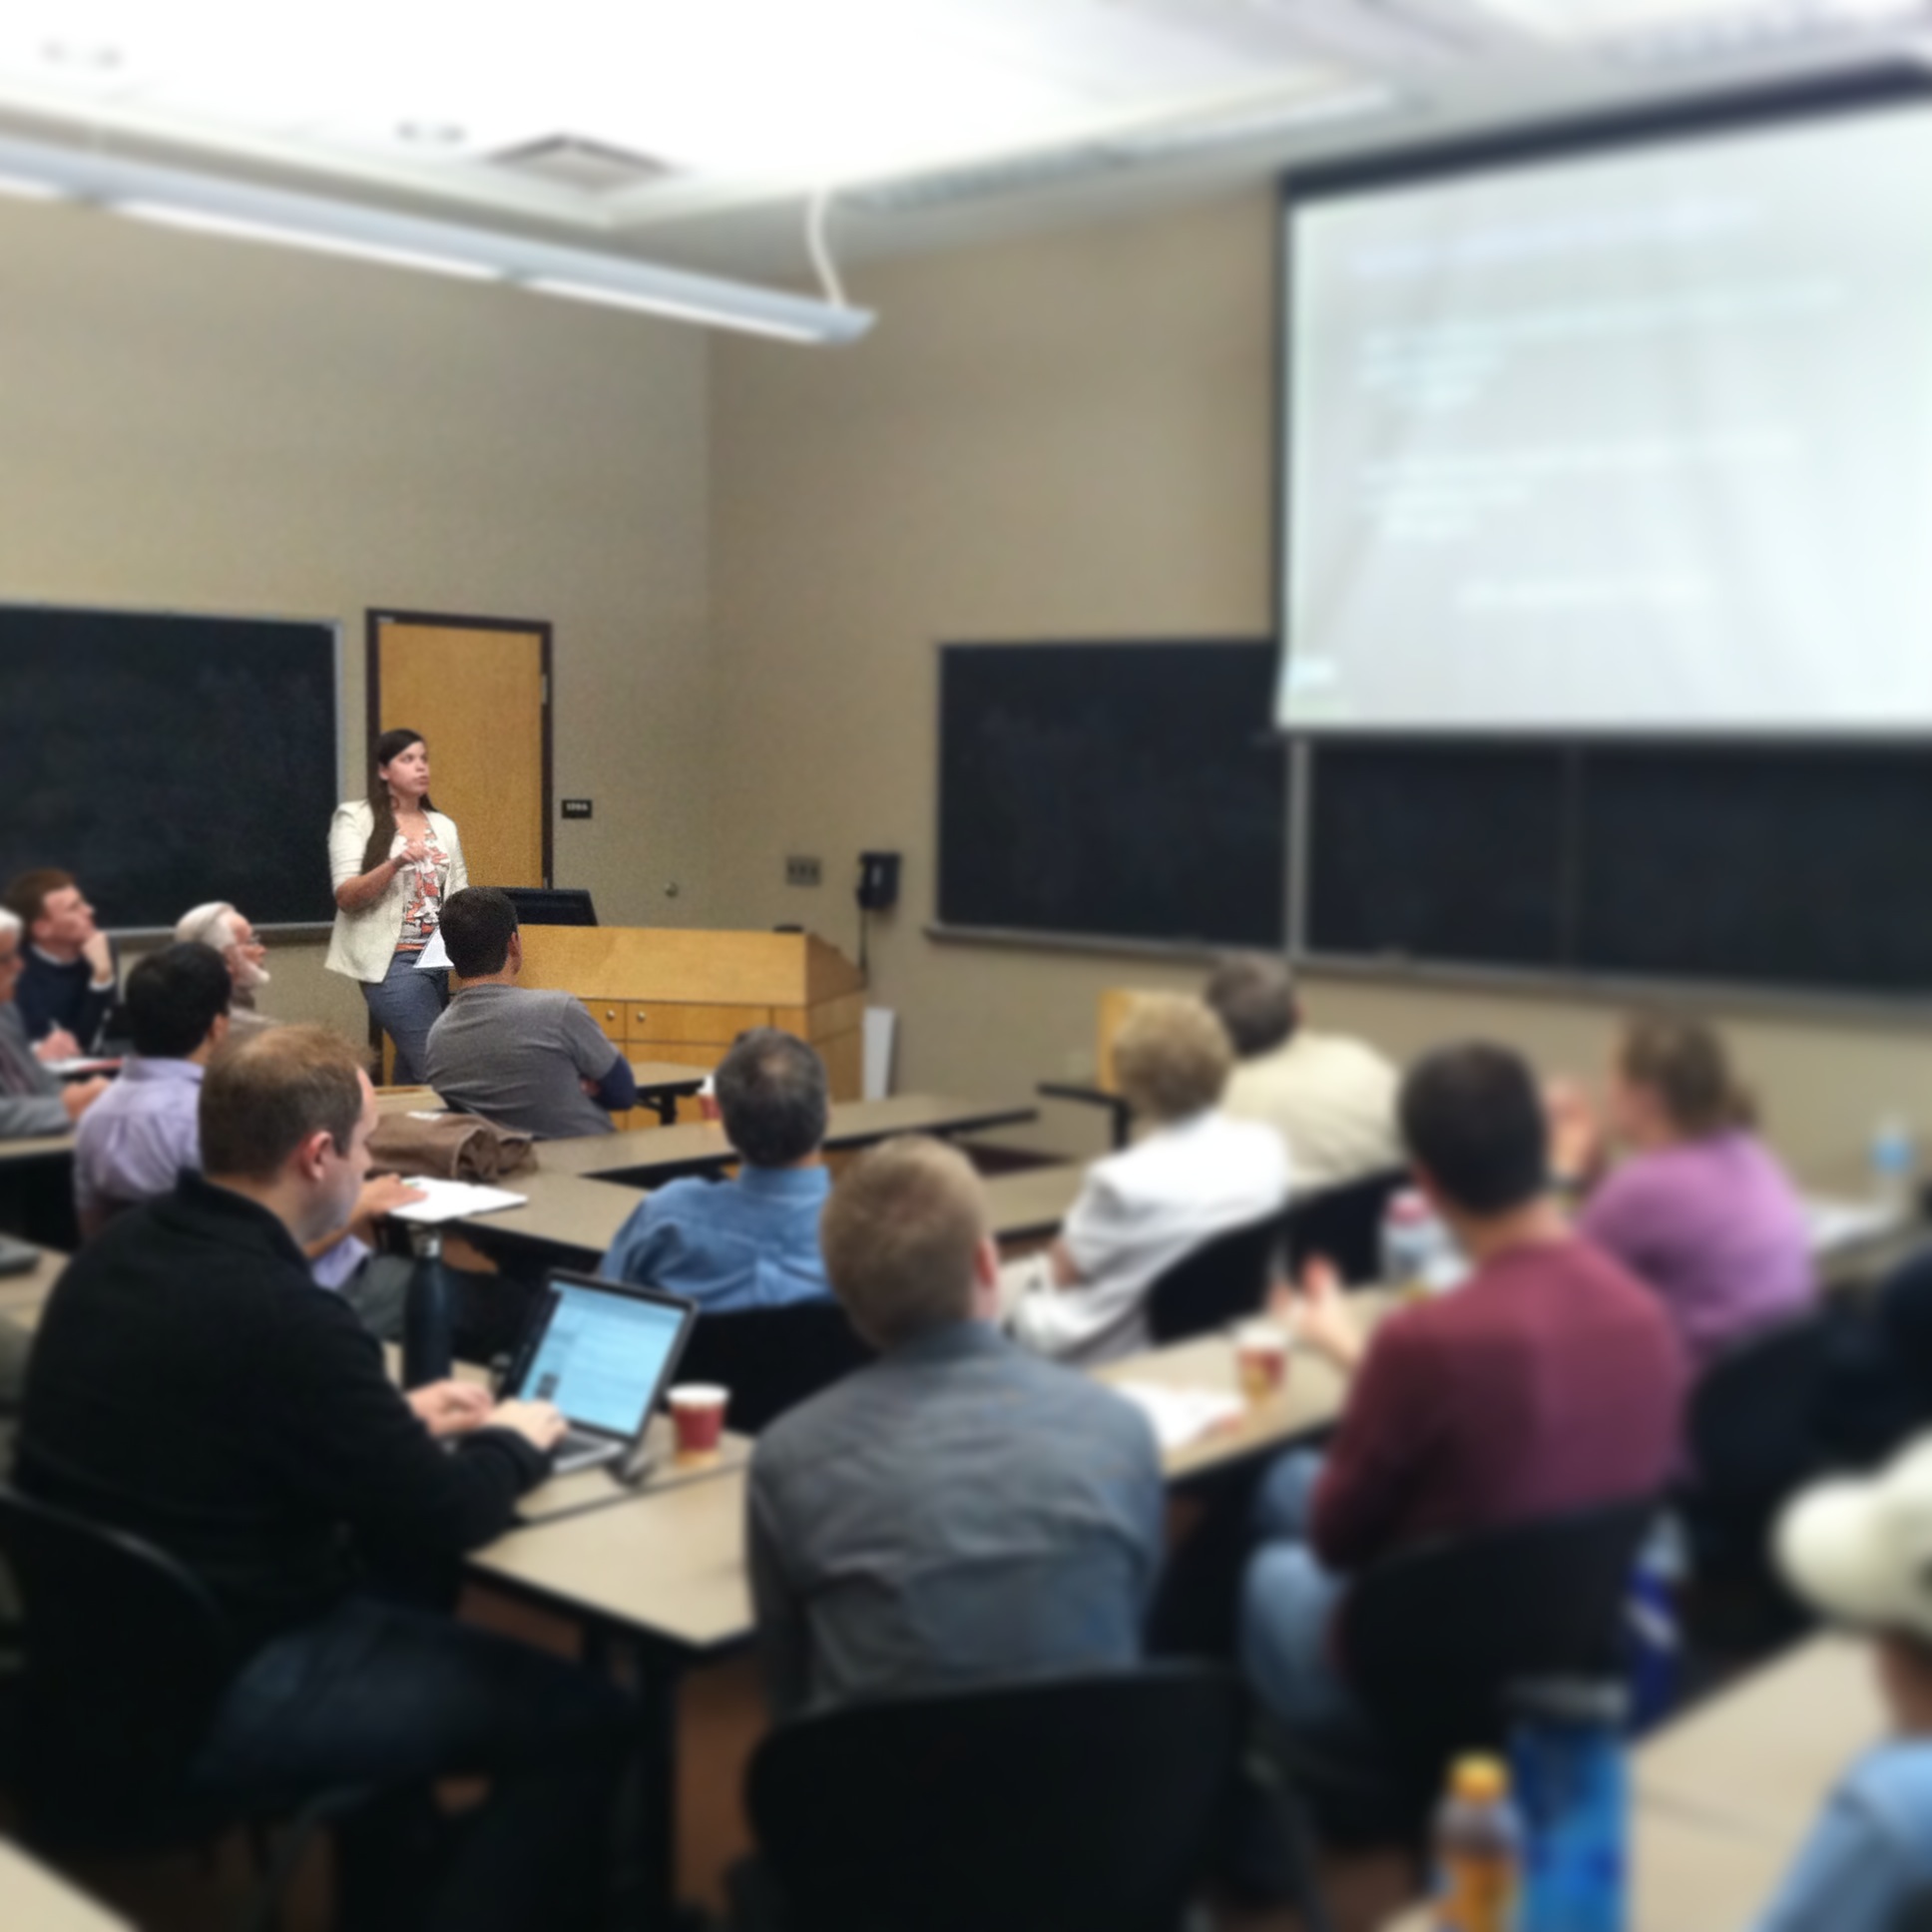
x,y
373,622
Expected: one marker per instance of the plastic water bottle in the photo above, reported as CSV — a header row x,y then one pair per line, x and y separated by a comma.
x,y
1478,1850
426,1349
1572,1780
1410,1240
1894,1162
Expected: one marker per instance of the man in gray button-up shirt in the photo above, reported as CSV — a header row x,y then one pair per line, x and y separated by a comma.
x,y
960,1511
31,1100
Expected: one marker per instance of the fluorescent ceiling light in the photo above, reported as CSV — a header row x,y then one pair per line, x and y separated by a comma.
x,y
198,222
1202,133
659,306
217,206
24,188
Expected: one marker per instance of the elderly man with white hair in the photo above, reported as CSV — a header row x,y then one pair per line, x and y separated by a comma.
x,y
219,925
32,1101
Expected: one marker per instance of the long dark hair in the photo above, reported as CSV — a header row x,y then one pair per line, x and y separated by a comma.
x,y
382,834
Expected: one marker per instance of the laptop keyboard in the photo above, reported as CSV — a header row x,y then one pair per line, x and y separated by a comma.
x,y
575,1444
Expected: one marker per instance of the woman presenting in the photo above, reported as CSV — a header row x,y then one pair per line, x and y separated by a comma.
x,y
394,860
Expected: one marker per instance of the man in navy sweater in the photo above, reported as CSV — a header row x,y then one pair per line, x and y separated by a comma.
x,y
68,987
192,1385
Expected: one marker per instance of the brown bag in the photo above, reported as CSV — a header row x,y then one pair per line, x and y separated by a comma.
x,y
449,1147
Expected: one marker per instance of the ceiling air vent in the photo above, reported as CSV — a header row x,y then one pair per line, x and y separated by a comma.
x,y
590,166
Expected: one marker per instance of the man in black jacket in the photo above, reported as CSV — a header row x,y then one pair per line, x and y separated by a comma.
x,y
191,1384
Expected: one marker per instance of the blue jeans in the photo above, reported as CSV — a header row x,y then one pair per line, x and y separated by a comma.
x,y
407,1004
1288,1603
388,1698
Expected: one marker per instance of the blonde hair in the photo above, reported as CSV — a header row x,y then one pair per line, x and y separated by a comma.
x,y
263,1096
1171,1057
899,1236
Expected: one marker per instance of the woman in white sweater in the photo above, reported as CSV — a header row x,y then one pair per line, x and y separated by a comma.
x,y
394,860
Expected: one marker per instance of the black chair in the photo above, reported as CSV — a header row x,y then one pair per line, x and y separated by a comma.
x,y
1345,1225
1223,1281
1435,1638
1915,1915
771,1359
1756,1438
125,1654
1082,1804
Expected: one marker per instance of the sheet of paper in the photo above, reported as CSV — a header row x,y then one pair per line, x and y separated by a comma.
x,y
1844,1223
451,1199
1180,1416
434,957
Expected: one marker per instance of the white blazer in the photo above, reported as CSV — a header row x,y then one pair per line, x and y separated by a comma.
x,y
363,943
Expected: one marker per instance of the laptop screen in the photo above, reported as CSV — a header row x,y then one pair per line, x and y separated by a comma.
x,y
601,1355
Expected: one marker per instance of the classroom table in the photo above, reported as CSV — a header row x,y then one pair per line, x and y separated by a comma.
x,y
567,1219
1029,1203
660,1153
571,1219
661,1084
22,1294
661,1581
35,1147
1759,1756
34,1899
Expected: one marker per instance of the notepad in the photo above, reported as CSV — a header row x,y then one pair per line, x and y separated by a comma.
x,y
452,1200
1180,1416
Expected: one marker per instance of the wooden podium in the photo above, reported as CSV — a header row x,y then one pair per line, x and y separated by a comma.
x,y
672,993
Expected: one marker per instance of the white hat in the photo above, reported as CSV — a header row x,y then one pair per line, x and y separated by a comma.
x,y
1860,1548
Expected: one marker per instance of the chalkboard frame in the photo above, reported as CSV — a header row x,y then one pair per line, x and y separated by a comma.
x,y
1890,84
283,929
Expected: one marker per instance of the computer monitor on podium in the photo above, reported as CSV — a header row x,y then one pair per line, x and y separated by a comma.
x,y
550,906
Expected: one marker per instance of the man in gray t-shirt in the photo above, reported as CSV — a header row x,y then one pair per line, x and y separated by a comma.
x,y
527,1059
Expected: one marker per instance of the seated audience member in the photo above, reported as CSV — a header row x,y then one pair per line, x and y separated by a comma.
x,y
1331,1099
1550,1380
1877,1392
751,1243
1859,1552
67,989
957,1512
188,1385
218,924
1195,1174
1701,1210
526,1059
32,1101
144,1132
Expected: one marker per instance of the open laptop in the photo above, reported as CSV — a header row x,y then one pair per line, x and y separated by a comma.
x,y
604,1353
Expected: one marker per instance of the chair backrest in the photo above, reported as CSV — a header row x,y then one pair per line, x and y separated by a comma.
x,y
1081,1804
1754,1414
1221,1280
772,1358
126,1654
1345,1225
1434,1638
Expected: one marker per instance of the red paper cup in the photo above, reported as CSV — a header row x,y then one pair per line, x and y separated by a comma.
x,y
698,1414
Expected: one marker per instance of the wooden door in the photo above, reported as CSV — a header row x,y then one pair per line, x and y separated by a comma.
x,y
478,688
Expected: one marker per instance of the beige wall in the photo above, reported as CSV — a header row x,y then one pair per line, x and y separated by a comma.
x,y
1062,438
212,426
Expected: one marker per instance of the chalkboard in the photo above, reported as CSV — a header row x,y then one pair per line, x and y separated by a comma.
x,y
1438,851
165,760
1121,790
1799,865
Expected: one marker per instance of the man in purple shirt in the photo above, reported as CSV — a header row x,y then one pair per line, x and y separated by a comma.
x,y
1701,1210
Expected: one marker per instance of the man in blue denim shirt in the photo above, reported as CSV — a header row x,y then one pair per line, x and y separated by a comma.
x,y
1858,1550
751,1243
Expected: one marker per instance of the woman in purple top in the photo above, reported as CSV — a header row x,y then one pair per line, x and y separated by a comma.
x,y
1699,1209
